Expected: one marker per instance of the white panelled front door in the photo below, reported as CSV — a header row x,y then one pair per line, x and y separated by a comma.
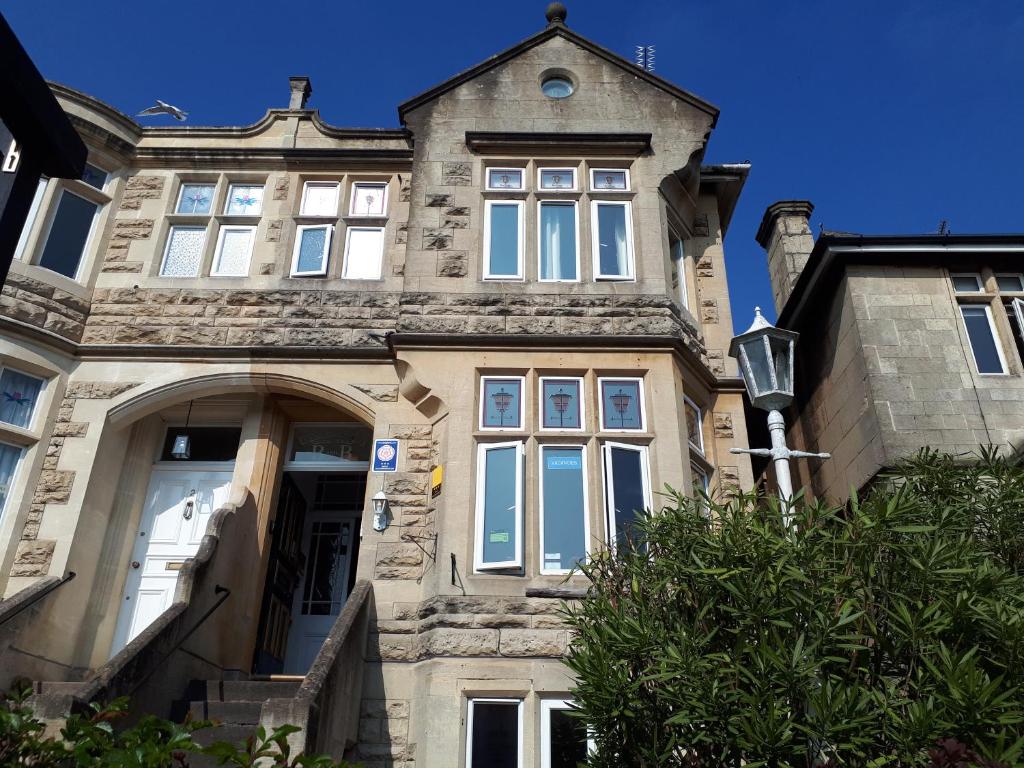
x,y
178,507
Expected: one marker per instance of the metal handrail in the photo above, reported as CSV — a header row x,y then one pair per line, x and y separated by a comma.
x,y
43,593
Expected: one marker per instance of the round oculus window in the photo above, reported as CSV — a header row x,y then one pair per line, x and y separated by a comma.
x,y
557,87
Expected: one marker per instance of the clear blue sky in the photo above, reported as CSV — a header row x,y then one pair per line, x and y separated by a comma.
x,y
889,116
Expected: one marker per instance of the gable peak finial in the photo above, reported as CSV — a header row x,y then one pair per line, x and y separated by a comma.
x,y
556,13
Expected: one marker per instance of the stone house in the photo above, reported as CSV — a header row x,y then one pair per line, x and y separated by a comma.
x,y
906,341
210,342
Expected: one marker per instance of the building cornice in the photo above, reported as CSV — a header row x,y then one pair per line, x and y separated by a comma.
x,y
171,156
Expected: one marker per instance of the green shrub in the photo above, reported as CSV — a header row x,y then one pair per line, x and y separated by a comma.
x,y
886,633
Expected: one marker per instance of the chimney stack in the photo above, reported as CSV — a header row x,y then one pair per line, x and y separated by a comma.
x,y
301,90
785,233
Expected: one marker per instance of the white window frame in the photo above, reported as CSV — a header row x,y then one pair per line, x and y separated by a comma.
x,y
540,401
977,281
609,486
680,263
181,191
227,199
30,219
54,208
167,250
224,229
35,406
600,403
542,169
703,474
380,256
294,272
322,184
540,238
339,465
595,241
699,447
1019,276
469,726
540,505
593,186
104,171
995,338
521,235
14,475
1018,309
384,202
546,707
481,474
522,403
503,169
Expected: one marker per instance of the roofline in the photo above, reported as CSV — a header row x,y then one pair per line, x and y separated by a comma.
x,y
730,177
555,29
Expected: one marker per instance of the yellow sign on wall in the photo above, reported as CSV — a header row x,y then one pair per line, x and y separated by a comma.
x,y
436,480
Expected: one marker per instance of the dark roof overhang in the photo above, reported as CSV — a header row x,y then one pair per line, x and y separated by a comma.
x,y
502,142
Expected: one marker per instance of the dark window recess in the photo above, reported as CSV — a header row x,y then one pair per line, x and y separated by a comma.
x,y
205,443
1018,332
68,235
495,734
568,740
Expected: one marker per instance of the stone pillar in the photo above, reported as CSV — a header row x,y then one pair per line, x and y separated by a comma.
x,y
300,91
785,233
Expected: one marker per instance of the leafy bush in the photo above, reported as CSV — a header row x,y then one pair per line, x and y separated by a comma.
x,y
93,742
889,632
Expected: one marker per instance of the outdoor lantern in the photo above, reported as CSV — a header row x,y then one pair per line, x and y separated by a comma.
x,y
380,511
182,448
765,355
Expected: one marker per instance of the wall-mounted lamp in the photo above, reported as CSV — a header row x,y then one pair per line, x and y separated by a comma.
x,y
381,511
182,448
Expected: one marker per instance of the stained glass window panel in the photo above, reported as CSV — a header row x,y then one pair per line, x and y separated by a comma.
x,y
245,200
320,199
502,404
184,252
561,405
557,178
368,199
19,393
620,404
235,252
610,181
330,443
505,178
195,199
9,456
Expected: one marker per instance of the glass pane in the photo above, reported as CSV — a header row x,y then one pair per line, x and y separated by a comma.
x,y
1012,283
561,404
235,251
195,198
320,200
627,489
1015,314
678,257
30,219
18,395
501,405
966,283
781,357
365,249
499,523
757,356
612,248
9,456
558,241
504,242
610,180
68,234
245,200
205,443
979,329
495,737
94,177
621,404
368,199
700,479
323,591
568,747
556,88
693,429
557,178
184,252
312,250
565,542
504,178
330,443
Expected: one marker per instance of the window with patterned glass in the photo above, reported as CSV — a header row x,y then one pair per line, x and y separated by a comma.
x,y
621,404
694,428
320,198
244,200
195,199
312,247
183,254
19,394
10,457
368,199
234,251
557,179
561,403
609,180
505,178
364,252
501,402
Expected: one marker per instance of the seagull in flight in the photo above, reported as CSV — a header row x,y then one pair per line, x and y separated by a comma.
x,y
163,108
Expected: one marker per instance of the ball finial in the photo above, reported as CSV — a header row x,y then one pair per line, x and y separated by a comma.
x,y
556,13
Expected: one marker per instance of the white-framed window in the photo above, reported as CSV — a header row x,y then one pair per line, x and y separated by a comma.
x,y
494,733
561,404
984,343
503,240
627,488
30,219
612,235
195,198
69,234
677,257
609,179
556,179
244,200
564,741
694,425
699,477
967,282
95,176
234,251
502,404
1015,315
183,253
10,458
329,447
19,396
499,506
320,198
564,522
364,253
621,404
1010,282
369,199
506,179
312,249
558,235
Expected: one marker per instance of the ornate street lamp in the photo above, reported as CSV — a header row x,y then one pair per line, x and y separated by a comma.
x,y
765,355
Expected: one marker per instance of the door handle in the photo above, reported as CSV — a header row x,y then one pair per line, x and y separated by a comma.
x,y
189,505
135,563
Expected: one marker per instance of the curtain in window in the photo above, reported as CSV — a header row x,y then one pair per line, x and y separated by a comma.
x,y
557,241
18,395
614,257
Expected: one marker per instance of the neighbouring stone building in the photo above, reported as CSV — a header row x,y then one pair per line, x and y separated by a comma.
x,y
906,341
204,337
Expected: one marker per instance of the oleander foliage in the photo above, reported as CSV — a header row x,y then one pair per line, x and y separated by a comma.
x,y
889,632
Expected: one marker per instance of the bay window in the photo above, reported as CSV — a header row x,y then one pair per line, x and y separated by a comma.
x,y
503,240
30,219
564,528
70,233
612,234
558,241
694,425
499,506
